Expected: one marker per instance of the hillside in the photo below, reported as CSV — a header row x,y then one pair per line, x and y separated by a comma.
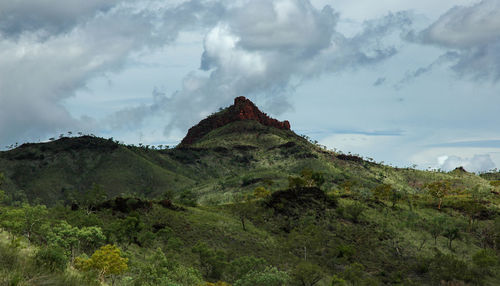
x,y
244,200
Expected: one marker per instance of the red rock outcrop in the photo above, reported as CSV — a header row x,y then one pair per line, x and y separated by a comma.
x,y
242,109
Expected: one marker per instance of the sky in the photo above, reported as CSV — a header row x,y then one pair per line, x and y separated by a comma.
x,y
409,83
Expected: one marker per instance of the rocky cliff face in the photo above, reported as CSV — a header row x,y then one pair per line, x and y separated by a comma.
x,y
242,109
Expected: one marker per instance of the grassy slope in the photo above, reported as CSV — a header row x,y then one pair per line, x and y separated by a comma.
x,y
232,159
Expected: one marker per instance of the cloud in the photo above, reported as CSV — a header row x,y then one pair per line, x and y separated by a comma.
x,y
477,163
260,49
380,81
51,49
474,33
37,73
50,16
472,144
442,59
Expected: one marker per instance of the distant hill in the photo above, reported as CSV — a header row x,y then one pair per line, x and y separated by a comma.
x,y
233,150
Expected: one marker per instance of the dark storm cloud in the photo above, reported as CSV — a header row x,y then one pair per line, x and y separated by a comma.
x,y
474,33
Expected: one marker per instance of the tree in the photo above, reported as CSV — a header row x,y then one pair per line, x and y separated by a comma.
x,y
307,274
305,239
107,261
51,258
3,196
353,273
308,178
73,239
435,227
495,184
355,210
396,196
243,209
261,192
474,205
212,261
2,193
296,182
472,208
451,230
241,266
161,271
381,192
188,198
271,276
34,216
26,220
92,197
484,261
387,192
439,190
130,228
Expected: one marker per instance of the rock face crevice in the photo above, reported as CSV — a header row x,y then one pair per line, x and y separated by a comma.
x,y
242,109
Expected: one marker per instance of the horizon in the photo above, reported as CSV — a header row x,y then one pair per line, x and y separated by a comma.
x,y
401,82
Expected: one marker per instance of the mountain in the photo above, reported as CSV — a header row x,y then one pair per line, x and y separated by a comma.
x,y
242,109
243,200
238,147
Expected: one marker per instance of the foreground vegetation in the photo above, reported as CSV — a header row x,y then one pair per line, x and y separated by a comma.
x,y
304,235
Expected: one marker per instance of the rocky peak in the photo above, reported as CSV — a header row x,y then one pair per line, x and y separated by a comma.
x,y
242,109
460,169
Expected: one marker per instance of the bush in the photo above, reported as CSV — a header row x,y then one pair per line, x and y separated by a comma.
x,y
51,258
446,267
354,211
307,274
212,261
269,277
241,266
159,270
9,257
484,262
188,198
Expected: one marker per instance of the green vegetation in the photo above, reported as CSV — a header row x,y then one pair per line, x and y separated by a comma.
x,y
245,205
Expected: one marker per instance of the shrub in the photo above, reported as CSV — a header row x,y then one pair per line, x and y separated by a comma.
x,y
107,261
188,198
354,211
307,274
51,258
271,276
241,266
446,267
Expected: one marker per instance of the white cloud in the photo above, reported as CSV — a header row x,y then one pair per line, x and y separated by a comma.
x,y
474,32
466,26
48,53
261,48
477,163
